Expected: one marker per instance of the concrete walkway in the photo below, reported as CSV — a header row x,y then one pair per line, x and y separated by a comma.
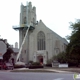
x,y
57,70
51,70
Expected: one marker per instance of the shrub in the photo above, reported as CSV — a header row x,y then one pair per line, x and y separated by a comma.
x,y
35,63
48,65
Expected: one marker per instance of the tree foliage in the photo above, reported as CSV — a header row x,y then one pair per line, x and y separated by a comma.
x,y
73,48
61,57
7,55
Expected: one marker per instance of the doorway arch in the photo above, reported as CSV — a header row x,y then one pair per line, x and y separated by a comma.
x,y
40,58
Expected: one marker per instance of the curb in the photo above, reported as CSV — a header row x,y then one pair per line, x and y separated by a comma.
x,y
39,70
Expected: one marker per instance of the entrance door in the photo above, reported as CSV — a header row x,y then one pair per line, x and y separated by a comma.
x,y
40,59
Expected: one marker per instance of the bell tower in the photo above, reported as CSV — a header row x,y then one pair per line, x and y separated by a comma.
x,y
27,18
27,15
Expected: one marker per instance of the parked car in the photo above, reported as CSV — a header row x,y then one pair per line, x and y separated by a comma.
x,y
1,66
19,65
8,66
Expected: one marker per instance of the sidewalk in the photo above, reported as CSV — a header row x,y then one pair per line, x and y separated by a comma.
x,y
46,69
76,70
40,70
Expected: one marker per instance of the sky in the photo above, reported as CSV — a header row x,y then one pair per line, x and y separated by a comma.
x,y
56,14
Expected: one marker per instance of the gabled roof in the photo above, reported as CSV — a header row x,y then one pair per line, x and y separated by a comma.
x,y
60,38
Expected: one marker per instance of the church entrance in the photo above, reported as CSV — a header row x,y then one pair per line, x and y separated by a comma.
x,y
40,59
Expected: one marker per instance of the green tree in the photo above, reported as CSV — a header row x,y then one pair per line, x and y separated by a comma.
x,y
7,55
73,48
61,57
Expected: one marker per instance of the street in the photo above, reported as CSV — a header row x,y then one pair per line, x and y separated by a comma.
x,y
6,75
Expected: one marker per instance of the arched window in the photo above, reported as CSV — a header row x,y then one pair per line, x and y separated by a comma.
x,y
41,41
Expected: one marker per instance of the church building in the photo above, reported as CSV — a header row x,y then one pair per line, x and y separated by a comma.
x,y
41,42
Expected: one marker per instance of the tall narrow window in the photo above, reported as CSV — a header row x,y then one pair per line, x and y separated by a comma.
x,y
41,41
24,20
